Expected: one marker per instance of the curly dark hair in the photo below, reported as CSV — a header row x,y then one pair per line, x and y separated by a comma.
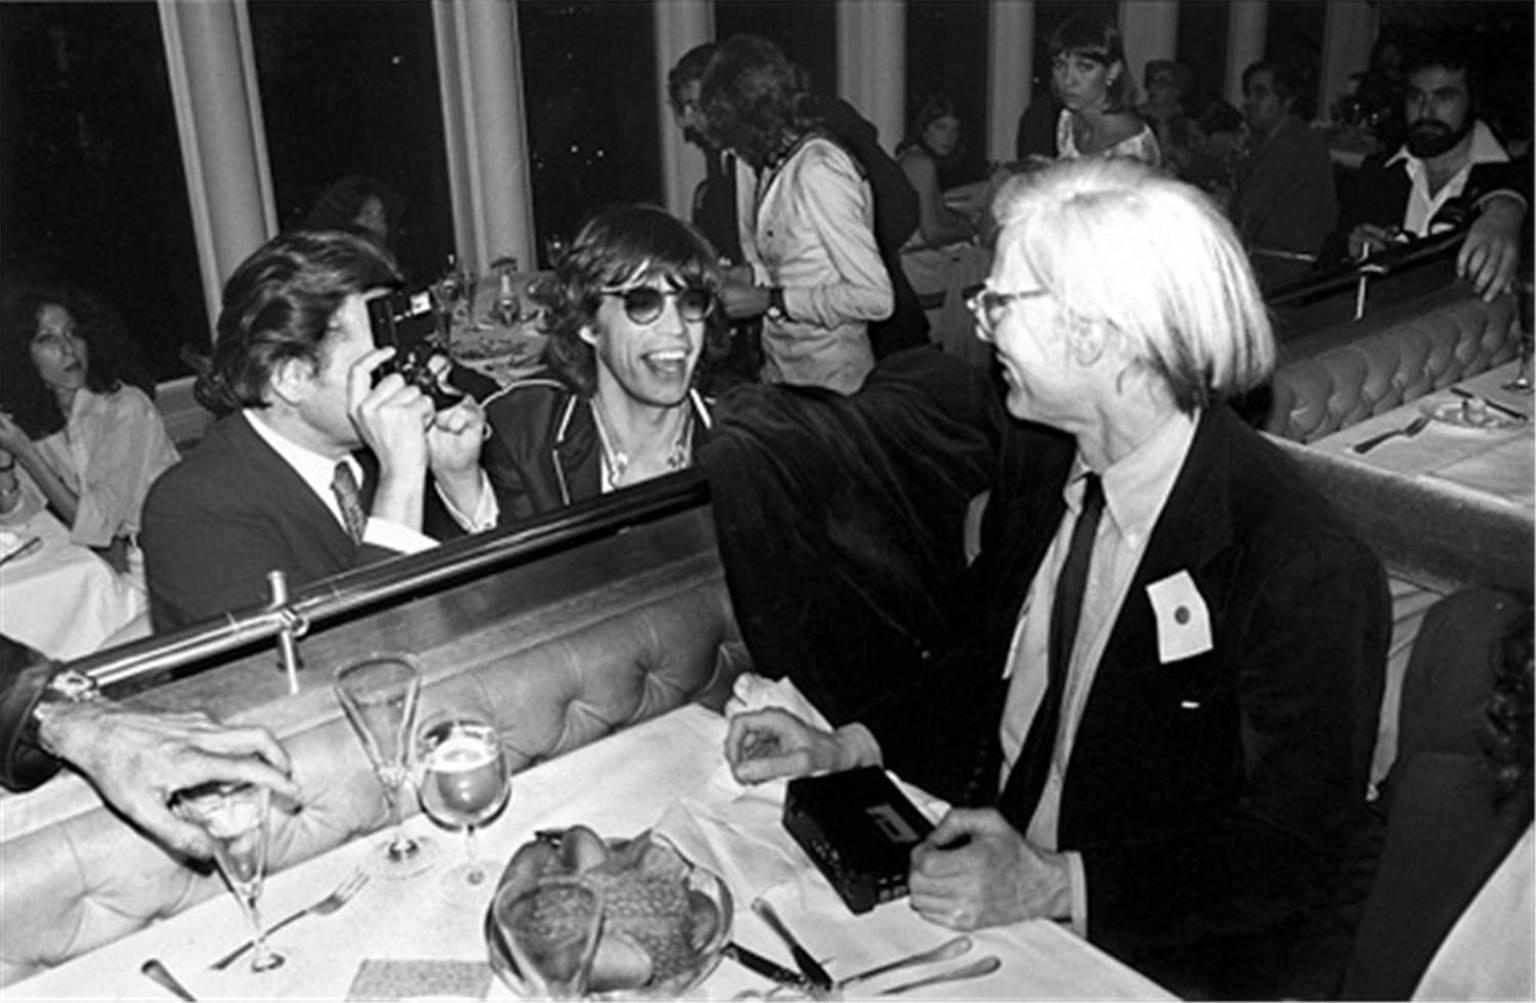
x,y
755,101
1507,730
612,248
278,306
112,360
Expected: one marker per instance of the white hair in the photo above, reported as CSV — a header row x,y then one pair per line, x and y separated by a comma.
x,y
1151,259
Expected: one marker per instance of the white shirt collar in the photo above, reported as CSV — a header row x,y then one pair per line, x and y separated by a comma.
x,y
1137,486
314,469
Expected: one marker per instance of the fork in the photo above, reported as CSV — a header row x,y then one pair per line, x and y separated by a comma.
x,y
324,907
1408,431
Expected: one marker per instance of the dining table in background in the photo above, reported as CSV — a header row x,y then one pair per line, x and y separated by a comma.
x,y
483,342
62,599
619,786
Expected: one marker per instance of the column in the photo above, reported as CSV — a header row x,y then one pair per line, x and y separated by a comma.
x,y
1010,67
680,25
872,63
1349,31
1245,43
480,70
223,145
1150,29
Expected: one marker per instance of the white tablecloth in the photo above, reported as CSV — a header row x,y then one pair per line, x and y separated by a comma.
x,y
63,600
1495,466
618,786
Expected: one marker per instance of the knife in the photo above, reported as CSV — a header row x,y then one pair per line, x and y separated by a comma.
x,y
765,967
809,967
1501,408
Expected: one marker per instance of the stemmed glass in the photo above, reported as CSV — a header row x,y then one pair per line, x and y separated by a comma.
x,y
455,292
464,779
236,816
1522,382
379,694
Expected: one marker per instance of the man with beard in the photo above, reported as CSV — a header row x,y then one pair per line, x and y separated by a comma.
x,y
1451,159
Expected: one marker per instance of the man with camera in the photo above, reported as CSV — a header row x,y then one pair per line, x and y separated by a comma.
x,y
321,463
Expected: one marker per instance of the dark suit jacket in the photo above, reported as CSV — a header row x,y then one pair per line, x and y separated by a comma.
x,y
228,513
1208,797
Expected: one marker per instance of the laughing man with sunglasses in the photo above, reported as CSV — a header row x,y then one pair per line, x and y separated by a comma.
x,y
631,309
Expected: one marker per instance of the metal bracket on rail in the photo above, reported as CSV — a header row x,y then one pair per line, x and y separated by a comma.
x,y
1368,270
294,626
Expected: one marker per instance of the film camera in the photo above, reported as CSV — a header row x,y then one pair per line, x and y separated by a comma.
x,y
408,321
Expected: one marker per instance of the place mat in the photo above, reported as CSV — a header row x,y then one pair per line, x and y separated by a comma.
x,y
381,979
1505,472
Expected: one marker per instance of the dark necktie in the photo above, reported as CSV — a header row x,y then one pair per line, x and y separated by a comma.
x,y
1027,778
344,484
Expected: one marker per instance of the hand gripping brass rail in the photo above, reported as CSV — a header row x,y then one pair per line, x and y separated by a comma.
x,y
408,574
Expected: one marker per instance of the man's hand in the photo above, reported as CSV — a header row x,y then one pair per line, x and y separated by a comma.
x,y
766,744
993,877
137,760
740,297
1490,256
1367,239
391,419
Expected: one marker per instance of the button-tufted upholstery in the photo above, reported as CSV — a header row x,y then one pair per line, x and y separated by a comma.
x,y
611,650
1443,338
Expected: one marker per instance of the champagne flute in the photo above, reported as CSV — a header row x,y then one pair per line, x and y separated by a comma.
x,y
379,694
236,816
1522,383
464,780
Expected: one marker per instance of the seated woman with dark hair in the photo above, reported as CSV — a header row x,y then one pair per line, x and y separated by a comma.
x,y
91,442
1089,76
630,311
933,142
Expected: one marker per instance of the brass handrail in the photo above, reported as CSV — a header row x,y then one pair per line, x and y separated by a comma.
x,y
376,583
1387,262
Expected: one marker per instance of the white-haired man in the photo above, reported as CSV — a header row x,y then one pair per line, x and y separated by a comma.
x,y
1164,704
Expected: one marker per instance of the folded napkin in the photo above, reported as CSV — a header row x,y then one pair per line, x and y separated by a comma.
x,y
736,830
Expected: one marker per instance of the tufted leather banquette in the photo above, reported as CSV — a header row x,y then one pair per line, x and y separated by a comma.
x,y
1349,372
566,649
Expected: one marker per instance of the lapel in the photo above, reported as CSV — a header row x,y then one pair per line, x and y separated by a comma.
x,y
271,476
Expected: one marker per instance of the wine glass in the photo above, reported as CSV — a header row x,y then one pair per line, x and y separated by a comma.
x,y
552,930
1522,382
236,816
379,694
464,780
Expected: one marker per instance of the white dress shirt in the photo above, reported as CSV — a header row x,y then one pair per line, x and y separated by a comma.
x,y
1135,491
1422,205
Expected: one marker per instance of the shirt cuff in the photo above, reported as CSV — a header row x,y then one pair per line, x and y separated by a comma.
x,y
396,536
1508,193
1079,882
487,510
862,743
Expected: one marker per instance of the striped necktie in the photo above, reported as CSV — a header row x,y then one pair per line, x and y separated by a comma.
x,y
344,485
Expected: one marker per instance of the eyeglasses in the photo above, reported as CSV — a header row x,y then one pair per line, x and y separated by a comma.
x,y
643,304
988,304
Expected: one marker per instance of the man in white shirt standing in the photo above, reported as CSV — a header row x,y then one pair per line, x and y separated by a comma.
x,y
1451,157
318,468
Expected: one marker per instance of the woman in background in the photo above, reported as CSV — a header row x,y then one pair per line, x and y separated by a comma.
x,y
934,142
91,442
1089,76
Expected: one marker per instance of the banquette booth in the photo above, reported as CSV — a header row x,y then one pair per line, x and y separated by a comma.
x,y
583,623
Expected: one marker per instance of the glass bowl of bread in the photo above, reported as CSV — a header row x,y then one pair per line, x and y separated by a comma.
x,y
664,921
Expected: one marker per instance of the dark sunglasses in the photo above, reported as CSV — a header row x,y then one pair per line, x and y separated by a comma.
x,y
643,304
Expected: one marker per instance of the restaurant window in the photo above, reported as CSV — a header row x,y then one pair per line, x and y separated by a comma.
x,y
91,185
943,38
351,88
1202,47
805,29
589,77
